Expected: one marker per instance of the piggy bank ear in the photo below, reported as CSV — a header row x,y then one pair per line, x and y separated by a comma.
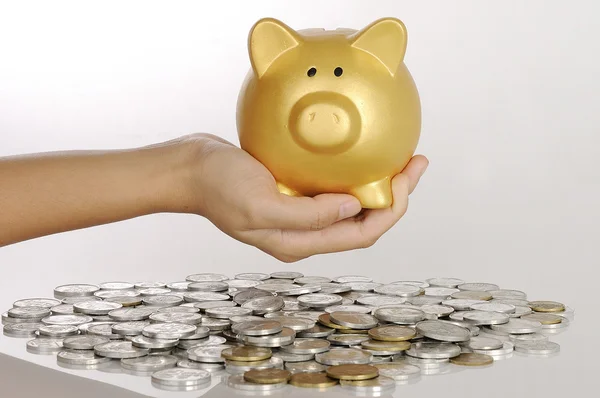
x,y
385,39
268,39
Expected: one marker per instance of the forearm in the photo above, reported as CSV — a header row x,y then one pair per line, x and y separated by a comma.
x,y
47,193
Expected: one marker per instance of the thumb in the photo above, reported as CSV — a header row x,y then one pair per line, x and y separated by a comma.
x,y
308,213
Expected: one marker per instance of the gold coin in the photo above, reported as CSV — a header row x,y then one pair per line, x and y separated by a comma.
x,y
376,345
352,372
472,359
246,353
546,306
267,376
324,319
312,380
351,331
392,333
472,295
544,319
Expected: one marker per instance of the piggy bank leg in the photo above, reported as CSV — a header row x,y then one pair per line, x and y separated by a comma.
x,y
286,190
375,195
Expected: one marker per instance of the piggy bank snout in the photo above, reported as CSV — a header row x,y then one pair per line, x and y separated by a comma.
x,y
325,122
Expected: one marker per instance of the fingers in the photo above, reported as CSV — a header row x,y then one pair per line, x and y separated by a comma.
x,y
304,213
414,170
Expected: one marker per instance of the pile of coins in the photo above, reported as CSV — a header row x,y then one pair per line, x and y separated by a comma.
x,y
261,332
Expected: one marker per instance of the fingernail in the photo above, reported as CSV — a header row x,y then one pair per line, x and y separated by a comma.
x,y
350,208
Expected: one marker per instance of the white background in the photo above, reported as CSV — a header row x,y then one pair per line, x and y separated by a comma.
x,y
511,122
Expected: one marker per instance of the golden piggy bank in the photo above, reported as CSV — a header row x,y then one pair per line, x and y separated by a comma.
x,y
330,111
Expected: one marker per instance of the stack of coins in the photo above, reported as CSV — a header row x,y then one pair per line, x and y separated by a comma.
x,y
261,332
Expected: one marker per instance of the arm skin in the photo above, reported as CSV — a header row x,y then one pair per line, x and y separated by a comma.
x,y
55,192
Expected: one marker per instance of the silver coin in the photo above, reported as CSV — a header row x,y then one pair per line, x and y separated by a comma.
x,y
116,286
277,281
104,329
494,307
398,289
179,308
208,286
149,285
83,342
489,330
255,276
369,387
227,312
95,307
168,330
424,300
399,371
347,339
505,349
181,377
462,304
75,319
296,323
242,283
205,305
433,350
176,317
240,367
362,286
214,324
193,297
29,312
286,275
520,311
245,318
483,343
527,337
249,294
116,293
131,314
443,331
154,291
485,317
518,326
289,357
352,278
310,280
147,342
208,353
508,294
62,309
310,366
433,311
445,282
238,382
206,277
209,367
58,331
301,289
319,300
21,329
44,345
515,302
263,305
361,309
277,288
149,363
316,331
131,328
285,337
75,290
399,315
354,320
333,288
119,349
314,315
80,358
306,346
377,300
444,292
36,302
178,286
209,341
163,300
201,333
537,347
8,320
342,356
73,300
478,287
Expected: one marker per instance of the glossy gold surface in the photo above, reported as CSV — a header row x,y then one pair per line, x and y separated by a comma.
x,y
330,111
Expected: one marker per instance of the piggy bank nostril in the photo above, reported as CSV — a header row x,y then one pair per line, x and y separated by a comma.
x,y
336,118
311,116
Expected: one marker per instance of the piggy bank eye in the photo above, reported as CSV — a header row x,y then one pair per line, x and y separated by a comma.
x,y
311,72
338,71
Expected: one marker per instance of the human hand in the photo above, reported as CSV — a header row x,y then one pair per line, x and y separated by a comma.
x,y
240,197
